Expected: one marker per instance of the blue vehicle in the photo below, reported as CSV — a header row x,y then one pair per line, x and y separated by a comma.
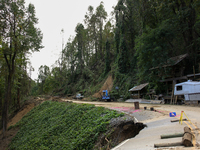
x,y
105,96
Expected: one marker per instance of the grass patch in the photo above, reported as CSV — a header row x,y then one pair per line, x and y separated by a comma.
x,y
54,125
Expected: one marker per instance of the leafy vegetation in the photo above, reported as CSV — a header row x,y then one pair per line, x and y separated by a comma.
x,y
54,125
140,35
18,37
146,34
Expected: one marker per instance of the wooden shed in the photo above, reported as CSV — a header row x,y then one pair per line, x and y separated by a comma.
x,y
176,74
138,91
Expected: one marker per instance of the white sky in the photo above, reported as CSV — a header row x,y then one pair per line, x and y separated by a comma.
x,y
53,17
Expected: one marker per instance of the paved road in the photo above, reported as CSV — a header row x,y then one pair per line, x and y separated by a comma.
x,y
158,122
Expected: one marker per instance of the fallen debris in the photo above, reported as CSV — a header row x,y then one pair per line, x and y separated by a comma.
x,y
186,139
177,120
167,144
152,109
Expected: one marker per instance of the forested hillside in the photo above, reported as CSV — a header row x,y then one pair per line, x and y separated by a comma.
x,y
140,35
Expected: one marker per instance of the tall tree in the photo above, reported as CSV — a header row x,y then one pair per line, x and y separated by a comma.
x,y
91,33
123,61
101,16
127,28
19,35
80,42
169,31
44,73
107,58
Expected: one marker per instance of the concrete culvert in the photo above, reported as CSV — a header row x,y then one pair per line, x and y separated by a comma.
x,y
120,129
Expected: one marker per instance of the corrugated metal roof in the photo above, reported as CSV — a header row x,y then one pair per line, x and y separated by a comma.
x,y
173,61
189,82
139,87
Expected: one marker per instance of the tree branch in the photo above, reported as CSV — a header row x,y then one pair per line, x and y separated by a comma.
x,y
5,56
196,33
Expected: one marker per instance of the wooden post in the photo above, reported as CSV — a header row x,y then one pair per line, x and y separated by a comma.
x,y
138,94
194,71
136,104
172,97
187,137
177,120
176,99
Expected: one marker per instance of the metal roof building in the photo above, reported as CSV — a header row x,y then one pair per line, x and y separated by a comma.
x,y
138,88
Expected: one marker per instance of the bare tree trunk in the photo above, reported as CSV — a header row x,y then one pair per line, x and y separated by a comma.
x,y
11,67
6,104
1,104
18,98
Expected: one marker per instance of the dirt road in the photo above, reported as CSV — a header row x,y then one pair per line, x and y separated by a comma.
x,y
192,112
158,122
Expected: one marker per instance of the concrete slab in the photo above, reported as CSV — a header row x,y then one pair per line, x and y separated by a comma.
x,y
144,101
149,136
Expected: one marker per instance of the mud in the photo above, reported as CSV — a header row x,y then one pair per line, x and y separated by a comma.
x,y
20,114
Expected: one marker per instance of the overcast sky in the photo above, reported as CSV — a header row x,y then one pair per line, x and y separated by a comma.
x,y
55,15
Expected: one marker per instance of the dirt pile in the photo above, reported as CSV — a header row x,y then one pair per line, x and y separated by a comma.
x,y
20,114
108,85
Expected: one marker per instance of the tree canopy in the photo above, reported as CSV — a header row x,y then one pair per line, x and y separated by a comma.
x,y
143,35
19,36
139,36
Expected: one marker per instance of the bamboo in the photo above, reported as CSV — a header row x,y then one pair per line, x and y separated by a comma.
x,y
171,135
168,144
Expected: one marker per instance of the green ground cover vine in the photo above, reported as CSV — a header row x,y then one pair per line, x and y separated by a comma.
x,y
54,125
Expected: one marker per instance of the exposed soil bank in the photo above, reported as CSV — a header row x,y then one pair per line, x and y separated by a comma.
x,y
121,128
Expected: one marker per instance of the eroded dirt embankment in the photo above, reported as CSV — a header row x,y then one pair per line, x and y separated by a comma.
x,y
108,85
121,128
